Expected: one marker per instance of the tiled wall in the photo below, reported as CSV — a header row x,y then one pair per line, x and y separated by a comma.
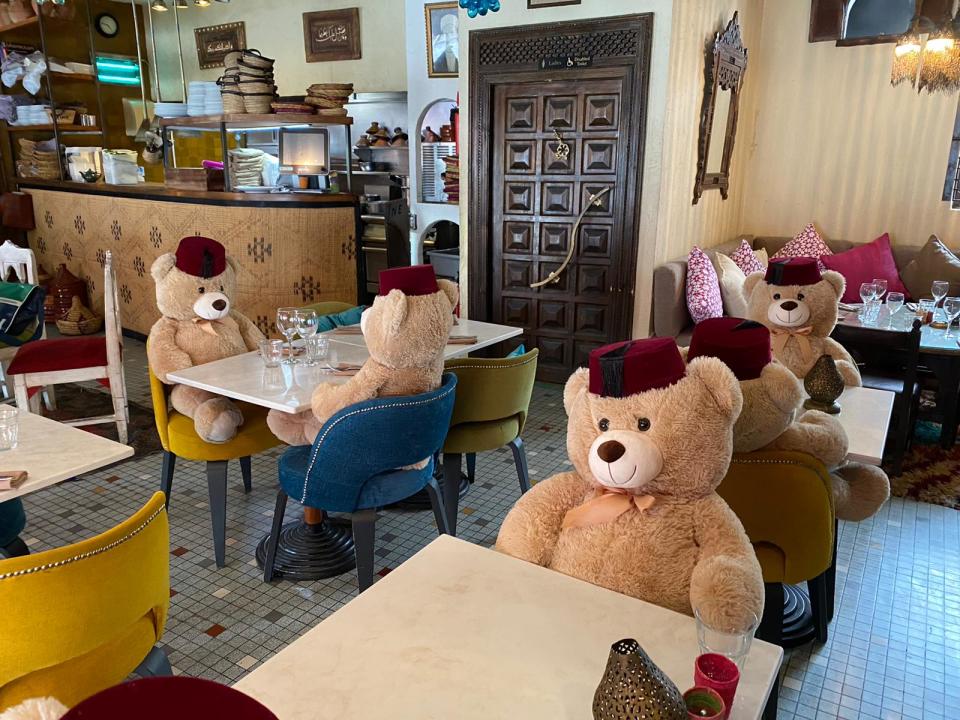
x,y
287,256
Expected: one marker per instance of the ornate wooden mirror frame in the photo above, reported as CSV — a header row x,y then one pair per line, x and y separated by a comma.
x,y
726,62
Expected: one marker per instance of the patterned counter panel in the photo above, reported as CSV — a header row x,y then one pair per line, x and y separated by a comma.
x,y
287,256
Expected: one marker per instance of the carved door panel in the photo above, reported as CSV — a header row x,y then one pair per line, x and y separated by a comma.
x,y
555,144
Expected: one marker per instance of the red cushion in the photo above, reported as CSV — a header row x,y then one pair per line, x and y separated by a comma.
x,y
59,354
863,264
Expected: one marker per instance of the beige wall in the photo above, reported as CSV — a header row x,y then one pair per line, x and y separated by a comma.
x,y
836,144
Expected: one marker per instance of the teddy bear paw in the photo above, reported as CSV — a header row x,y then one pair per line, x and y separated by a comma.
x,y
859,491
216,421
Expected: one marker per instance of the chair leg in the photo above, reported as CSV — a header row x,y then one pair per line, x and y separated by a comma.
x,y
247,474
155,664
471,467
451,489
832,573
15,548
166,475
21,394
364,532
436,502
217,487
770,628
520,460
271,556
118,394
817,587
770,709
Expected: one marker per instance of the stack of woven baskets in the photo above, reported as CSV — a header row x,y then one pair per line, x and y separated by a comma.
x,y
247,85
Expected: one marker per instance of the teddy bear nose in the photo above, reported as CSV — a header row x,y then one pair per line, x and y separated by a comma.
x,y
219,304
611,451
788,305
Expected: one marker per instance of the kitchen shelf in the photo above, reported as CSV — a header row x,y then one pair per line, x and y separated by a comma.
x,y
64,129
23,23
253,120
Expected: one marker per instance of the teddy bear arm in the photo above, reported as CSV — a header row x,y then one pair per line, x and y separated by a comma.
x,y
846,365
293,429
816,434
328,399
726,584
252,337
532,527
163,353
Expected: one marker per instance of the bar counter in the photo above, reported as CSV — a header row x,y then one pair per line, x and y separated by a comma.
x,y
291,249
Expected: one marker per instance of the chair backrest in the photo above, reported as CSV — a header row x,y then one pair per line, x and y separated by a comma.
x,y
328,307
158,394
111,314
21,260
493,388
73,602
884,348
373,437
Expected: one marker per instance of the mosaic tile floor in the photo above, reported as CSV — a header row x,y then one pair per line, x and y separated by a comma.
x,y
893,644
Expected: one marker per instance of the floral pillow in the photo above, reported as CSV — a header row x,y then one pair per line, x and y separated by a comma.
x,y
806,243
703,287
746,259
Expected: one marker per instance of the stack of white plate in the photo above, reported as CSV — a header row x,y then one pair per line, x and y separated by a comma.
x,y
246,166
200,97
32,115
212,101
170,109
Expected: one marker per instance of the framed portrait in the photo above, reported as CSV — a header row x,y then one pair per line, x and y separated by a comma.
x,y
215,41
443,39
532,4
332,35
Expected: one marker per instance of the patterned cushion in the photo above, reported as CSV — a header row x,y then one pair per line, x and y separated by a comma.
x,y
746,259
703,287
806,243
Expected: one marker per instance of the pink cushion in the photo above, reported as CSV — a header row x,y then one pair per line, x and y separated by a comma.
x,y
806,243
746,259
863,264
703,287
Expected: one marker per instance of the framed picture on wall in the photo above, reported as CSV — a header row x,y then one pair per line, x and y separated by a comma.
x,y
332,35
531,4
215,41
443,39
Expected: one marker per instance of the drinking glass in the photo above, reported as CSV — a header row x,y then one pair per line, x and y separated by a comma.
x,y
951,307
881,285
306,323
939,288
9,427
734,644
287,325
271,352
318,349
894,303
925,309
868,291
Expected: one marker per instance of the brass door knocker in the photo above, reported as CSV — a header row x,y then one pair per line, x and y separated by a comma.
x,y
563,150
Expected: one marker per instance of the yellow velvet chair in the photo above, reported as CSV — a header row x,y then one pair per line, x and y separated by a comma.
x,y
180,440
81,618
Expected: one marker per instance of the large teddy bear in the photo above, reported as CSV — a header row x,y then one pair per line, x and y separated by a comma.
x,y
650,439
799,306
194,290
406,330
772,417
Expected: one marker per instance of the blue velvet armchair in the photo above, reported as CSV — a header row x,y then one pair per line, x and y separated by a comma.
x,y
352,466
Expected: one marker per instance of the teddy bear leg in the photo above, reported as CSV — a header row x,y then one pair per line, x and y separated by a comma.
x,y
726,589
859,491
290,428
216,420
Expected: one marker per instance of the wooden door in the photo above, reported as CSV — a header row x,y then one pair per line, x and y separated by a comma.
x,y
538,193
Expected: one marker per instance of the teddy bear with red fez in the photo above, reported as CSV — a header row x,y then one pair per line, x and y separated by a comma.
x,y
195,286
406,331
650,439
772,418
799,304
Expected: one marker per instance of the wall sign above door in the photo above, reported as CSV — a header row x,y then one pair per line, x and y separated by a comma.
x,y
567,61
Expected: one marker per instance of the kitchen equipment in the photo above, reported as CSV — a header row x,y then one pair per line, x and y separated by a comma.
x,y
120,167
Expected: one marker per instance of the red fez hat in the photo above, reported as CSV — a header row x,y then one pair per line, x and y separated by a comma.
x,y
634,366
793,271
742,345
201,257
414,280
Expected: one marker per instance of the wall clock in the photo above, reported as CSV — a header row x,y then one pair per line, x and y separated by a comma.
x,y
107,25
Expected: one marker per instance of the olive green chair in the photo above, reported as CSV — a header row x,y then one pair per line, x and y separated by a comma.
x,y
493,398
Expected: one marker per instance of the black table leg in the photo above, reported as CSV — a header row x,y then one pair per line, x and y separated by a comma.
x,y
947,370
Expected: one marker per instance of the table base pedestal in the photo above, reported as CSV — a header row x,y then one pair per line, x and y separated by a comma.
x,y
311,552
798,626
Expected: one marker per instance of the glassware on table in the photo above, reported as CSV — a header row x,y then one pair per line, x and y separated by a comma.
x,y
925,310
868,291
939,288
9,427
881,285
951,308
307,323
731,643
271,352
894,303
287,326
318,349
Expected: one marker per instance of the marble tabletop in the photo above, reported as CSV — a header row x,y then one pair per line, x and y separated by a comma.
x,y
52,452
461,631
865,415
288,388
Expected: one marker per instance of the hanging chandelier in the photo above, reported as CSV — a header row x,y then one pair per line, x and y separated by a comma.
x,y
933,63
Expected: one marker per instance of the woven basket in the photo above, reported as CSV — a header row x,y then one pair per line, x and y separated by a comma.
x,y
255,87
253,59
79,320
259,104
232,102
231,59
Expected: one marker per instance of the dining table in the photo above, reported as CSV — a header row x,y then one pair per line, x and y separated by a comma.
x,y
317,546
462,631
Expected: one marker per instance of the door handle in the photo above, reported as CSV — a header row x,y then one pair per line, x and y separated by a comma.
x,y
554,276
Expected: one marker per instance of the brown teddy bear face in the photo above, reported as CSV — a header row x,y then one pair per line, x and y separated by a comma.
x,y
673,441
404,331
770,405
183,297
788,307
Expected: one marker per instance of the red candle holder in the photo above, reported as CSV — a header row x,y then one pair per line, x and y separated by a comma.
x,y
718,673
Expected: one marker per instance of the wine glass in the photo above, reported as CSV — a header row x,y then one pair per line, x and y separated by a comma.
x,y
939,288
868,291
951,307
306,322
881,284
287,325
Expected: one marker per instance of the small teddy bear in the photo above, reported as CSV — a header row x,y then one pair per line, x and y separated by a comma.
x,y
198,325
771,417
650,438
798,304
406,331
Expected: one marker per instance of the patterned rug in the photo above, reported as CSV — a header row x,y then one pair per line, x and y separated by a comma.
x,y
930,473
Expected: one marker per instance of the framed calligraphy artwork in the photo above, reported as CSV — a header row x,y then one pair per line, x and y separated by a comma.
x,y
332,35
215,41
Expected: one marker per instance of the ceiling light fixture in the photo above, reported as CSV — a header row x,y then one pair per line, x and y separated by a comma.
x,y
159,5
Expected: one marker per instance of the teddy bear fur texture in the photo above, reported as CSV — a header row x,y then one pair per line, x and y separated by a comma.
x,y
406,336
816,308
688,550
181,338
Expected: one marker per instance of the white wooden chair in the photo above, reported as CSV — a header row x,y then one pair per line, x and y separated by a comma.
x,y
43,363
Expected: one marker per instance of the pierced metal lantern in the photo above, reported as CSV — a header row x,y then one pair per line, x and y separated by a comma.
x,y
824,384
634,688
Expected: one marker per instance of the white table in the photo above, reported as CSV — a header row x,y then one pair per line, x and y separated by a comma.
x,y
460,631
865,415
52,452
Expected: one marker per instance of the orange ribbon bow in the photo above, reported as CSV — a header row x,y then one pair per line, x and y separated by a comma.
x,y
206,325
780,337
605,506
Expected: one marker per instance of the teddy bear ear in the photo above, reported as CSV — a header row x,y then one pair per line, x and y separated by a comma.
x,y
719,382
576,384
836,281
750,282
451,290
162,266
782,386
394,309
